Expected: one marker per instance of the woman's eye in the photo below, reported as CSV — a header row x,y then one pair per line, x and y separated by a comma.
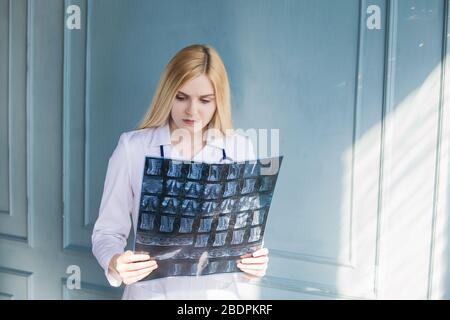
x,y
180,98
205,101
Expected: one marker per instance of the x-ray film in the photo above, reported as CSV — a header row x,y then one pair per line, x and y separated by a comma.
x,y
197,218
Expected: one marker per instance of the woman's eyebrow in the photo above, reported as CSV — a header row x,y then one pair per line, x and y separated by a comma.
x,y
204,96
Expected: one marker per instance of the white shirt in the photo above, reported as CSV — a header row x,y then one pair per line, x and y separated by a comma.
x,y
119,210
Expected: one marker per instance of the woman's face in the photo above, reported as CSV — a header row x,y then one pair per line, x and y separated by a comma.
x,y
194,105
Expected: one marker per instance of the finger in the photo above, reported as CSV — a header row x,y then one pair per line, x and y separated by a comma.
x,y
262,259
134,266
137,278
127,258
261,252
134,274
245,269
252,266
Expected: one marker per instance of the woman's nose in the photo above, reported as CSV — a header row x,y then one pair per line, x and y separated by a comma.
x,y
192,108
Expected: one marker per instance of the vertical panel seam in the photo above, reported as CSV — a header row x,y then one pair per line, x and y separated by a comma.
x,y
438,148
356,107
87,68
389,72
65,134
29,113
8,109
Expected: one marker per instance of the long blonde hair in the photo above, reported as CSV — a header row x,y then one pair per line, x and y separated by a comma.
x,y
187,64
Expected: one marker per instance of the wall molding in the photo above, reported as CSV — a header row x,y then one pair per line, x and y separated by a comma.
x,y
16,221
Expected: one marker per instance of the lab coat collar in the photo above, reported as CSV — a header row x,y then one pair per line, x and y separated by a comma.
x,y
161,136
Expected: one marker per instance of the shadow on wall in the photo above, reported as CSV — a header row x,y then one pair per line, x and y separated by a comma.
x,y
413,231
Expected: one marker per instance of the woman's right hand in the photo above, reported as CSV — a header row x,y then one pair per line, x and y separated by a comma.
x,y
132,267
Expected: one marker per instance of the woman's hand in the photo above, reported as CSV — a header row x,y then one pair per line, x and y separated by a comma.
x,y
131,266
254,265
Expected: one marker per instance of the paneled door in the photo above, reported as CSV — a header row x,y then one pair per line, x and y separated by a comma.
x,y
358,90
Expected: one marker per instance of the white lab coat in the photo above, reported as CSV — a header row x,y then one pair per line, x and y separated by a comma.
x,y
121,197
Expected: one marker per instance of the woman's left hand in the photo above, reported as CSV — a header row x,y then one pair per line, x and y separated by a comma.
x,y
254,265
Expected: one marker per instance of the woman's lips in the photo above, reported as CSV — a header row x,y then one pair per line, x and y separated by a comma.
x,y
189,122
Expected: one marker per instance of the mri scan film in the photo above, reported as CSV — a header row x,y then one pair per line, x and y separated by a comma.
x,y
198,218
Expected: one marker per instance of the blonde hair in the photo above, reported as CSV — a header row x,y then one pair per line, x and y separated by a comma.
x,y
187,64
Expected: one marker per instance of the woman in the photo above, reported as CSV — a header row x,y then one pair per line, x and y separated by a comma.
x,y
190,119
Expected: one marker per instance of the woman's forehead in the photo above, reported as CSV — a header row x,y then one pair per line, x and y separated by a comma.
x,y
199,86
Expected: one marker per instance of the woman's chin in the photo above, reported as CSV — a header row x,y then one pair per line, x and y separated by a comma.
x,y
193,128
